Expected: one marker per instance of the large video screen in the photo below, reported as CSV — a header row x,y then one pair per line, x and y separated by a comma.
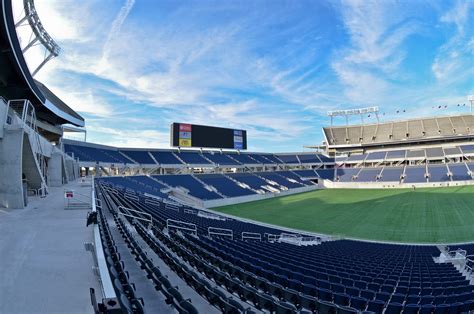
x,y
192,135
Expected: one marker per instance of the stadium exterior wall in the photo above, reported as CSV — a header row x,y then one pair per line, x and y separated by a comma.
x,y
11,159
257,197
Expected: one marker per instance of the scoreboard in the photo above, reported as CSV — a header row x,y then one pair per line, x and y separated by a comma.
x,y
193,135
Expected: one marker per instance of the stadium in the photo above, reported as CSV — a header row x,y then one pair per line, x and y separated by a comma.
x,y
378,218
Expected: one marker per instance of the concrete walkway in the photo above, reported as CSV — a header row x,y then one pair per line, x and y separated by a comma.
x,y
44,267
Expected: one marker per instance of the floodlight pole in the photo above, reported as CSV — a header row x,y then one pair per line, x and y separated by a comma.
x,y
471,100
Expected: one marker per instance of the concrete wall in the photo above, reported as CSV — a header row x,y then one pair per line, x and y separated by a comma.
x,y
256,197
55,170
11,152
3,116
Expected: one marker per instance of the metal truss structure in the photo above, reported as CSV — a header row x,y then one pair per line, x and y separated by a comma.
x,y
39,36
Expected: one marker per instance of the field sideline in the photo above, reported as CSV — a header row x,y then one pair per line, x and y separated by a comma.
x,y
428,215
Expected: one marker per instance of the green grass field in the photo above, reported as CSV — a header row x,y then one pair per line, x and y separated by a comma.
x,y
429,215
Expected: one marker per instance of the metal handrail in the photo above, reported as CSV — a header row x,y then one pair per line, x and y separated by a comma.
x,y
220,232
177,224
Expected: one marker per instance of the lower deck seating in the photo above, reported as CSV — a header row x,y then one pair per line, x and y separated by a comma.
x,y
225,185
281,180
415,174
459,172
342,276
391,174
293,176
368,174
249,179
438,173
327,174
187,181
347,174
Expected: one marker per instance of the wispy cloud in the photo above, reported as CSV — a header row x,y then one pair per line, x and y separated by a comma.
x,y
457,53
376,32
134,67
114,31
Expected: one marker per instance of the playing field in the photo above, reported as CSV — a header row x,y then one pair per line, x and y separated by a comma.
x,y
430,215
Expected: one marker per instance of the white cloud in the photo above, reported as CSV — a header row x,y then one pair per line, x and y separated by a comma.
x,y
376,31
454,59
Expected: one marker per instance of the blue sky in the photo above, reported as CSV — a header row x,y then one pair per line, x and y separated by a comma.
x,y
132,67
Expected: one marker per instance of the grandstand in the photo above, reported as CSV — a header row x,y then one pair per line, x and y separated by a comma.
x,y
378,220
414,130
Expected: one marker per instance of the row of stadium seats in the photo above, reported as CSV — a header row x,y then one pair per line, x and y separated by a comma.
x,y
162,210
175,159
226,185
342,276
462,125
434,153
408,174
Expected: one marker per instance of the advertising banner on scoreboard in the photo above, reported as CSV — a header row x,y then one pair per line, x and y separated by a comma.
x,y
202,136
185,135
238,139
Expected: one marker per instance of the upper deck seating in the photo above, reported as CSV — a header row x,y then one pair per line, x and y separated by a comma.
x,y
375,156
193,158
354,134
396,154
244,159
95,154
467,149
309,158
221,159
273,159
260,158
445,126
415,128
140,156
415,174
356,158
434,153
452,152
325,158
416,154
187,181
166,158
397,131
289,159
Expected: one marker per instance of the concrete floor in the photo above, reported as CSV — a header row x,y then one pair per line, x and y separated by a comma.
x,y
44,267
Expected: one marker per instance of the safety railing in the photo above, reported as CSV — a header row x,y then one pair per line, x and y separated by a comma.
x,y
251,236
135,214
221,232
181,225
